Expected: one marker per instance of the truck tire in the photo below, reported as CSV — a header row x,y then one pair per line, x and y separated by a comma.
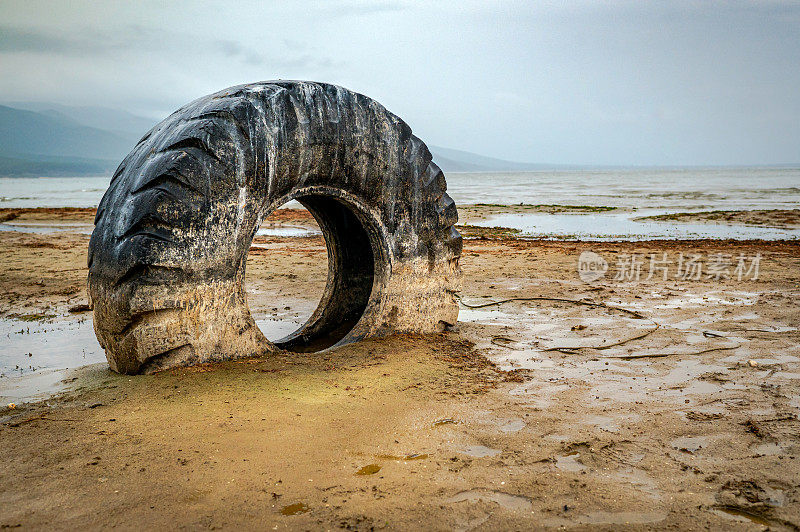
x,y
168,253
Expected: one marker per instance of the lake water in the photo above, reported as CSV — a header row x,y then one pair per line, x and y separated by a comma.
x,y
663,190
669,190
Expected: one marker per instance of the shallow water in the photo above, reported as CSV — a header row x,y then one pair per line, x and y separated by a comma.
x,y
673,190
78,227
47,227
288,231
522,334
36,356
275,329
623,227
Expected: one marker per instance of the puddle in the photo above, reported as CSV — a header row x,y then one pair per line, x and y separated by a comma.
x,y
767,449
639,382
513,426
739,514
690,444
294,509
523,332
277,329
481,451
405,458
787,375
569,462
623,518
775,497
370,469
640,481
541,393
607,424
689,300
37,354
506,500
287,231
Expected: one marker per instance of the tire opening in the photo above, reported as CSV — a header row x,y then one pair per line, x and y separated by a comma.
x,y
345,282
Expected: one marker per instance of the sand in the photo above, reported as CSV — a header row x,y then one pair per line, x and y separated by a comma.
x,y
679,411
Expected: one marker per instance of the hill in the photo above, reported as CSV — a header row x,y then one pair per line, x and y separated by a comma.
x,y
451,160
29,133
117,121
46,139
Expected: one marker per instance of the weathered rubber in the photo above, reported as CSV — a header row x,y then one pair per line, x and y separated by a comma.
x,y
168,253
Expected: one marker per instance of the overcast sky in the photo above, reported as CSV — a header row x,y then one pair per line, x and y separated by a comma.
x,y
583,82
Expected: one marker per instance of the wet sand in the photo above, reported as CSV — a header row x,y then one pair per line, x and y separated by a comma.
x,y
649,403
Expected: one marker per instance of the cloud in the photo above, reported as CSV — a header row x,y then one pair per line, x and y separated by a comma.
x,y
229,48
580,81
356,8
291,55
81,42
279,59
39,41
235,50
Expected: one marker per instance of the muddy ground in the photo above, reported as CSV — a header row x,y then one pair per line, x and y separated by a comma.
x,y
644,403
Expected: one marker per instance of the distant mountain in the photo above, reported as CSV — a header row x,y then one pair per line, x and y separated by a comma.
x,y
51,143
41,138
30,133
117,121
451,160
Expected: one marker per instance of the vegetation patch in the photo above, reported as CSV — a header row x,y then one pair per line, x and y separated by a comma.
x,y
478,232
38,316
541,207
779,218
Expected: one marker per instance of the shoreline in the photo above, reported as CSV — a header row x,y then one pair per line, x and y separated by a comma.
x,y
472,214
549,405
